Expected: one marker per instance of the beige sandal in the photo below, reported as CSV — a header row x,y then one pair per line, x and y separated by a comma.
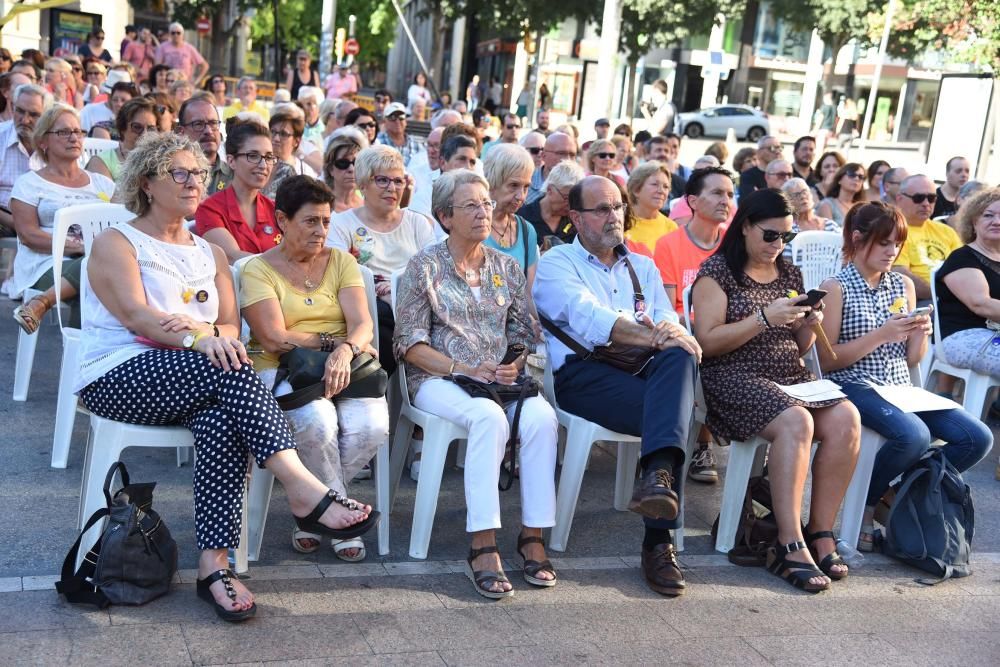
x,y
298,536
29,315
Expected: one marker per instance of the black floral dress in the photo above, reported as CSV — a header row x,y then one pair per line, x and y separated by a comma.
x,y
741,386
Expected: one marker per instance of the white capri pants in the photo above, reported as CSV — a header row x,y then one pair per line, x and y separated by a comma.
x,y
489,429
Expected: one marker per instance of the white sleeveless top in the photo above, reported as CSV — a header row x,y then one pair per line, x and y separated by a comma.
x,y
175,278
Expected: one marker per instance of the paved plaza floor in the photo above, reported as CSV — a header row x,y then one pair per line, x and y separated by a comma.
x,y
395,610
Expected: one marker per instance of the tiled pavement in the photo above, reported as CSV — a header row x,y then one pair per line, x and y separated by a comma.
x,y
393,610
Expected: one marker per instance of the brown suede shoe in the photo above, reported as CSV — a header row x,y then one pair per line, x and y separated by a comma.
x,y
654,497
662,571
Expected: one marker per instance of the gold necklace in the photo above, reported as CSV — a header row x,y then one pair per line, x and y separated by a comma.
x,y
306,275
502,238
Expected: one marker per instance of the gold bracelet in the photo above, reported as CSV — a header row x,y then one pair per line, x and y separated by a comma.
x,y
451,371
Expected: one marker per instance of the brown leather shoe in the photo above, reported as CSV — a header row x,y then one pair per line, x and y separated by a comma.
x,y
662,571
654,497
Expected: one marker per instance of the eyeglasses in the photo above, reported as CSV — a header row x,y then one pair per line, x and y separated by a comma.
x,y
535,150
858,176
474,207
564,195
76,68
513,127
33,115
200,125
773,149
99,37
366,126
6,58
384,182
182,176
921,197
770,236
605,210
396,117
781,174
139,128
565,155
66,133
176,32
605,156
255,158
281,134
94,72
379,99
343,164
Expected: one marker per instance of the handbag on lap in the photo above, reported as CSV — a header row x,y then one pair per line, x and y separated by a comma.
x,y
304,369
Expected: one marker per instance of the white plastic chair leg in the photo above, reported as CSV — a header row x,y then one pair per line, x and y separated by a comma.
x,y
185,455
25,359
628,459
460,455
258,499
105,448
853,510
397,458
977,387
436,440
382,502
65,404
578,444
742,456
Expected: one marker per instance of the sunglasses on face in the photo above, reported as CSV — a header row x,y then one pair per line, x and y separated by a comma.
x,y
770,236
343,164
535,150
176,32
921,197
94,72
604,156
76,68
366,126
513,127
6,58
855,175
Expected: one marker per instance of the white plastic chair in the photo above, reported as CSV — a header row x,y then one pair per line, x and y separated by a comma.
x,y
818,256
977,385
93,146
262,481
92,219
439,433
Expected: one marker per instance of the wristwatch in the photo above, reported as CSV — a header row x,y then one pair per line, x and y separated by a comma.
x,y
189,340
355,350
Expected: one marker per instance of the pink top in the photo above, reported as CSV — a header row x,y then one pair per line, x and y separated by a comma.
x,y
142,56
338,87
184,57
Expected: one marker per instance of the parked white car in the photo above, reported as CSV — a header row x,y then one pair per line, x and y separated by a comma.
x,y
748,123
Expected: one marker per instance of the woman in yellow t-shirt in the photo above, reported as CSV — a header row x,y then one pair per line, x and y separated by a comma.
x,y
303,294
648,189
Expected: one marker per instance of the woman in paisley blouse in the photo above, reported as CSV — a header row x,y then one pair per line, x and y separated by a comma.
x,y
459,305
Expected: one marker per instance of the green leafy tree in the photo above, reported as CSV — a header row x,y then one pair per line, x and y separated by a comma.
x,y
968,30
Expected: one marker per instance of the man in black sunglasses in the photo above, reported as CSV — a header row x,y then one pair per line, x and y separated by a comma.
x,y
510,126
928,242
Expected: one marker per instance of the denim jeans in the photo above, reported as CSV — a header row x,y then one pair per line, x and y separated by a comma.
x,y
909,435
656,404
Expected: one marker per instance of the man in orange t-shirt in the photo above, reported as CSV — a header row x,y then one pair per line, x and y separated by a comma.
x,y
679,254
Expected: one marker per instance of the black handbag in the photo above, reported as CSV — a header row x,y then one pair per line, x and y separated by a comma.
x,y
304,368
629,358
503,395
135,559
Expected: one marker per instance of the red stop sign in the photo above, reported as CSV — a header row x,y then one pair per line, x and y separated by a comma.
x,y
352,47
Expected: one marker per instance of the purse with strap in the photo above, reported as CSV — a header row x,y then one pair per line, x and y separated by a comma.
x,y
304,369
629,358
503,395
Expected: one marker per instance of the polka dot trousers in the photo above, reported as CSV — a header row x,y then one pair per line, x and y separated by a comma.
x,y
229,413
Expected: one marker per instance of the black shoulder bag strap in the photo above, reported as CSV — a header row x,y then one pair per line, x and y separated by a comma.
x,y
79,588
523,233
507,472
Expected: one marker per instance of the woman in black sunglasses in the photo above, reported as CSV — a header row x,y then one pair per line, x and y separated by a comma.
x,y
338,167
753,333
601,160
848,189
6,60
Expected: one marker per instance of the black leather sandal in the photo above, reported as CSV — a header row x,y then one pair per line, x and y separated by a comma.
x,y
311,523
484,579
796,573
533,567
227,576
832,560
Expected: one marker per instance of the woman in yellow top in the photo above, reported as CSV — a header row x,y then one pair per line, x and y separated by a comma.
x,y
303,294
648,189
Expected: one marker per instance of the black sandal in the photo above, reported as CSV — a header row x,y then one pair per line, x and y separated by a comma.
x,y
311,523
796,573
533,567
832,560
483,579
205,594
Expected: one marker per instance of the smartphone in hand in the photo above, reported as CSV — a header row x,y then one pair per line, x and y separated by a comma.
x,y
813,297
512,354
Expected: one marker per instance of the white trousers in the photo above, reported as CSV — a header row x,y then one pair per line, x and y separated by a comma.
x,y
489,428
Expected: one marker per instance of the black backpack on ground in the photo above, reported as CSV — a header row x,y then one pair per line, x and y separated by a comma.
x,y
932,521
135,559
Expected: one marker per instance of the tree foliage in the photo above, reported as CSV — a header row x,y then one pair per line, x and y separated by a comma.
x,y
968,30
836,21
647,24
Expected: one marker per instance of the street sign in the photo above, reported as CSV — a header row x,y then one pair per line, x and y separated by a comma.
x,y
203,25
352,47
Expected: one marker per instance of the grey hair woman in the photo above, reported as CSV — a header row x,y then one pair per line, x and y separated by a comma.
x,y
160,345
342,149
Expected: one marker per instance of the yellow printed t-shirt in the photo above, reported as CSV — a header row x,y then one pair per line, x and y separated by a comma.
x,y
259,282
648,231
926,248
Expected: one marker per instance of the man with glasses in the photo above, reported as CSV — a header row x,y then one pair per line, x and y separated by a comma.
x,y
511,125
199,121
534,143
178,54
29,103
559,146
394,134
102,114
928,242
246,100
803,153
891,181
585,296
26,68
777,173
751,180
